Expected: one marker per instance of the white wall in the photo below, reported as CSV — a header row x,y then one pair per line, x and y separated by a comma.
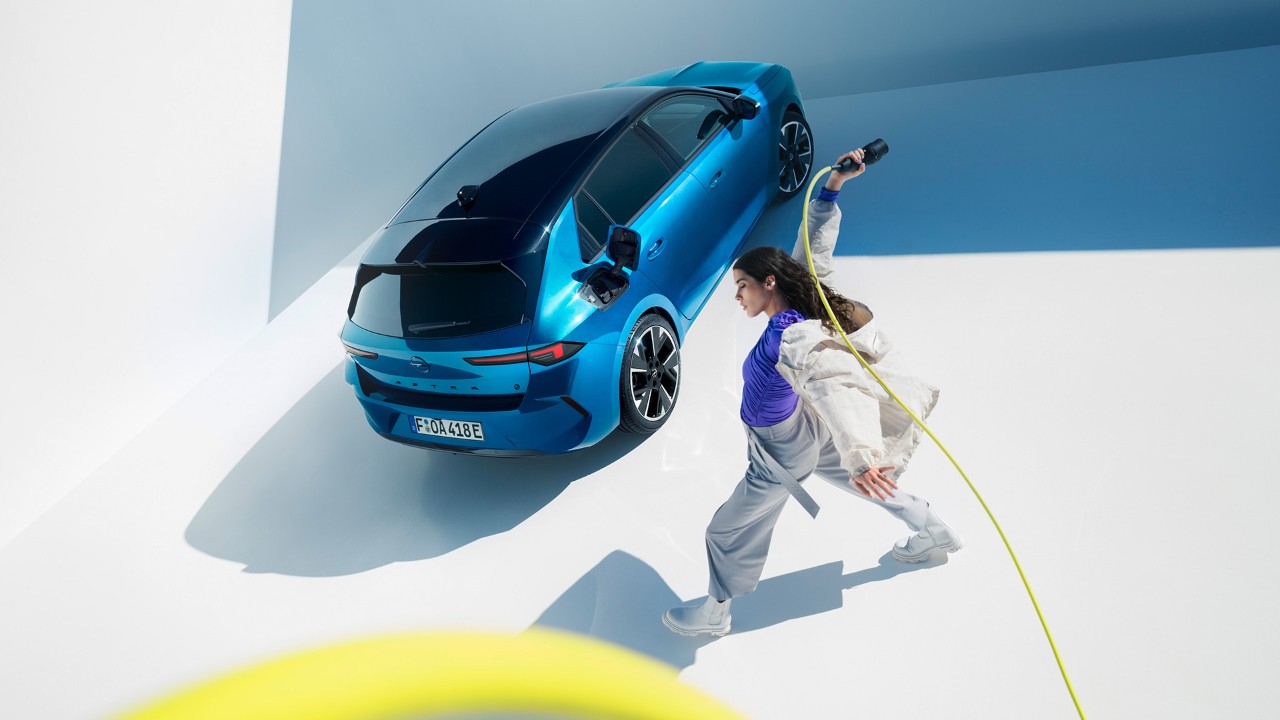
x,y
1068,396
140,144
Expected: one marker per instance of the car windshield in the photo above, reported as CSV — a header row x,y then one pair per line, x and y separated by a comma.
x,y
436,301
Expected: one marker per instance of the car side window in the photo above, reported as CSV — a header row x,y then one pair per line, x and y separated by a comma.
x,y
619,187
593,226
686,122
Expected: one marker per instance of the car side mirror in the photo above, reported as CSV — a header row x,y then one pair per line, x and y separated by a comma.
x,y
606,284
745,108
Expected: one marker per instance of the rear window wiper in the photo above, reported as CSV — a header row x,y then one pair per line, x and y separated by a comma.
x,y
423,327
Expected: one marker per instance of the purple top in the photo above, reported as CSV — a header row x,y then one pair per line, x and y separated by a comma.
x,y
767,399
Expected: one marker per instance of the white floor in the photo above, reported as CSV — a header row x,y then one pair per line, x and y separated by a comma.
x,y
1116,410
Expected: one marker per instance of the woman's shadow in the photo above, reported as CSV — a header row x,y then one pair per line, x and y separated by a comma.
x,y
621,600
322,495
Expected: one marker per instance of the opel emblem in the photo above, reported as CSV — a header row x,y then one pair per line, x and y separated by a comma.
x,y
419,364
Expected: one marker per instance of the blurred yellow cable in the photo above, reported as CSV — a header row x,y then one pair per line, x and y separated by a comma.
x,y
814,272
544,672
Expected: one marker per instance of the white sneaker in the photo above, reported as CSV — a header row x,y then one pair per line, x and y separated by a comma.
x,y
916,548
709,618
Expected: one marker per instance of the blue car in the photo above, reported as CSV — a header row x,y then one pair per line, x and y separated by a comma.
x,y
532,295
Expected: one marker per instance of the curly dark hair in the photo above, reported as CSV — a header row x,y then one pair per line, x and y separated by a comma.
x,y
796,285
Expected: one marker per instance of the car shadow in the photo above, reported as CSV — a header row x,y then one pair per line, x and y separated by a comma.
x,y
322,495
621,600
777,225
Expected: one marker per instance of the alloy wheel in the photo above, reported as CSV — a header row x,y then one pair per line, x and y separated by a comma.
x,y
795,151
654,367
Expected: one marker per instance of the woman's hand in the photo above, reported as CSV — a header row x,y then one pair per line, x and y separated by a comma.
x,y
875,483
837,178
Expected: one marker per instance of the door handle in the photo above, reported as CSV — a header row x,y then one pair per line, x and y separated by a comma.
x,y
715,179
655,248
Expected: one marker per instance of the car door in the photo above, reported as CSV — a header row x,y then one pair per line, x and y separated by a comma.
x,y
638,183
725,161
733,165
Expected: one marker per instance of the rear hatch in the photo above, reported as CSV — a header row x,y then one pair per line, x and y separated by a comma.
x,y
430,295
427,302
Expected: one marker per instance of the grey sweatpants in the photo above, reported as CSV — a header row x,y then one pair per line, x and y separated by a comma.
x,y
740,531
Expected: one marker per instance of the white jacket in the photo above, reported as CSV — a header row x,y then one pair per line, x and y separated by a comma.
x,y
867,426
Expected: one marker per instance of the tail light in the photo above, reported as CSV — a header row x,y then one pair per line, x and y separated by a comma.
x,y
358,352
549,355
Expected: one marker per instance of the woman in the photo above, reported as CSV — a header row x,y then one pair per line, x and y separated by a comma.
x,y
810,407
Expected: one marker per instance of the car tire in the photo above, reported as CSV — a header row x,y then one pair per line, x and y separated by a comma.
x,y
795,154
649,383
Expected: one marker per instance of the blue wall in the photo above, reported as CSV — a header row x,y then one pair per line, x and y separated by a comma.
x,y
1174,153
379,93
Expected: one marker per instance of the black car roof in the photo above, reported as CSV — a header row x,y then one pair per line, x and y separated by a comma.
x,y
532,154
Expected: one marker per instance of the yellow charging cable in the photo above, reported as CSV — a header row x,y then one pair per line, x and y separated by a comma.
x,y
835,321
542,672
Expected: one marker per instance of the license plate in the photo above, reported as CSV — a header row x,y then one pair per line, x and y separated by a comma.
x,y
456,429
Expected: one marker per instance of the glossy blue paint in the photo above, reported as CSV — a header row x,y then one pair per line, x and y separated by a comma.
x,y
708,74
690,230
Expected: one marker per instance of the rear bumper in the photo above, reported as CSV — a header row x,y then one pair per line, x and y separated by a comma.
x,y
565,407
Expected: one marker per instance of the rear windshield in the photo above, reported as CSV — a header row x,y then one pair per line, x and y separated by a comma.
x,y
436,301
